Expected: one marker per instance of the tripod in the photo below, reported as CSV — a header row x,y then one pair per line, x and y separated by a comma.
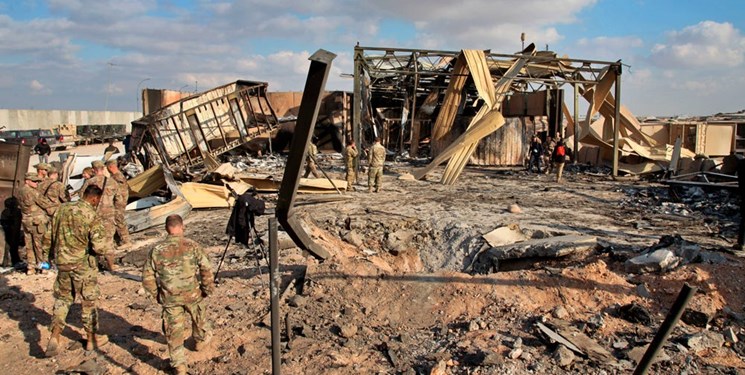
x,y
254,239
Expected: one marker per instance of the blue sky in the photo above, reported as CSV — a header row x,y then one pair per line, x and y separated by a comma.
x,y
685,57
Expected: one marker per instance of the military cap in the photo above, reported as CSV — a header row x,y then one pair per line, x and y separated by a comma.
x,y
42,166
111,162
31,176
52,169
97,164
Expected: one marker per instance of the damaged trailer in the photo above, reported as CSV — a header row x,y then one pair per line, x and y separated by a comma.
x,y
197,129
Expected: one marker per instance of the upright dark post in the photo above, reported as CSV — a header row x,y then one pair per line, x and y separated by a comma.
x,y
274,280
357,103
320,64
576,123
616,118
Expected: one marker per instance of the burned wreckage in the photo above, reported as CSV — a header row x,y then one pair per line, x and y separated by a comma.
x,y
194,131
198,128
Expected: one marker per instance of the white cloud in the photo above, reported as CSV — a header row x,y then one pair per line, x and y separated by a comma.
x,y
37,88
706,44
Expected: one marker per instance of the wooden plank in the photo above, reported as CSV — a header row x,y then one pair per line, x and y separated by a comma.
x,y
449,107
676,156
591,348
493,100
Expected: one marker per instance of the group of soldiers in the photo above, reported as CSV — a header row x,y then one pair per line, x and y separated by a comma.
x,y
78,236
177,274
43,193
376,157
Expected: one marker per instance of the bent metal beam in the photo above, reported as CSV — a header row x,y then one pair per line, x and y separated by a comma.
x,y
314,85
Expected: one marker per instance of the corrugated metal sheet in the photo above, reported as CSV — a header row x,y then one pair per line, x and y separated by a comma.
x,y
507,146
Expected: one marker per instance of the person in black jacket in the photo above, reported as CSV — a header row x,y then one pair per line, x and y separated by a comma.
x,y
535,152
43,150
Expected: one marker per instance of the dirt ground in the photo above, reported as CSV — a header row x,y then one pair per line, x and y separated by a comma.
x,y
395,299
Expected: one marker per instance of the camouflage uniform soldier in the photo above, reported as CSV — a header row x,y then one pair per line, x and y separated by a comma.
x,y
34,221
105,208
377,160
178,274
76,236
120,201
310,161
350,153
53,191
42,170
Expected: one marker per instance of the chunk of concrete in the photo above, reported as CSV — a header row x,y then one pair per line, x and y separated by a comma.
x,y
505,236
552,247
656,261
637,353
704,340
563,356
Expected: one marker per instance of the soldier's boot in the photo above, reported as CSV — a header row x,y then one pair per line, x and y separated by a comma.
x,y
95,341
179,370
53,345
201,345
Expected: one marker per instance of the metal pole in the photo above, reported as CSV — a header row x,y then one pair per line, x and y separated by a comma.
x,y
576,122
616,118
667,326
274,279
357,103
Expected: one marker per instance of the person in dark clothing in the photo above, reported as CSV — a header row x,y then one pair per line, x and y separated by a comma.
x,y
535,152
43,150
741,190
241,222
11,223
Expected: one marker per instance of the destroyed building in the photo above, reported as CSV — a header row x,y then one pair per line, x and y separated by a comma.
x,y
441,99
198,128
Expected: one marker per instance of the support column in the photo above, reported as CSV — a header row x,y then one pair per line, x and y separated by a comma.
x,y
357,104
576,122
617,118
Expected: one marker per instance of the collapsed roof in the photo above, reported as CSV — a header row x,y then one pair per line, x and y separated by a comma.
x,y
434,89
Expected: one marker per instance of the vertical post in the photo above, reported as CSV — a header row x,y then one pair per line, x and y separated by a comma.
x,y
414,148
576,122
667,326
357,103
617,118
274,280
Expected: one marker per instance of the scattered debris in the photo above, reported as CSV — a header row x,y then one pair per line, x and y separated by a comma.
x,y
635,313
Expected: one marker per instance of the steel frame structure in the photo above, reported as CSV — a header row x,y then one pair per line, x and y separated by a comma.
x,y
411,74
213,122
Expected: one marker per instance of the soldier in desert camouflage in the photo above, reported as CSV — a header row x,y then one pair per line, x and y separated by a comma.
x,y
53,190
376,160
76,236
42,170
109,186
34,208
120,202
178,274
350,154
